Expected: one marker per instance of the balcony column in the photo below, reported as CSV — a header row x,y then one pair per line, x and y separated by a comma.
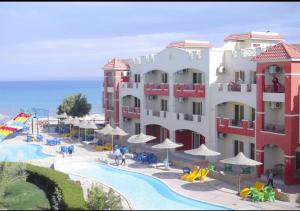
x,y
171,93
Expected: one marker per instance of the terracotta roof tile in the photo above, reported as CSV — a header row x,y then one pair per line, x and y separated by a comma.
x,y
116,64
280,51
189,44
252,35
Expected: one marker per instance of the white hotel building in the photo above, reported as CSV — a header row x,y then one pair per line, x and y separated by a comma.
x,y
194,93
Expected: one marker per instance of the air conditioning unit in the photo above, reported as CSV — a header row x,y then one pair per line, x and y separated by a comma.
x,y
126,119
151,97
180,99
275,105
221,135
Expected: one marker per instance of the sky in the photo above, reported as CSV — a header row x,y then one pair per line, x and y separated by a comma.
x,y
74,40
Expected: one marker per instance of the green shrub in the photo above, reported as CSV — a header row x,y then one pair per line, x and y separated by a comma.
x,y
100,200
49,179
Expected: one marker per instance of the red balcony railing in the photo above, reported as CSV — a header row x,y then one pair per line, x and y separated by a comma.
x,y
243,127
275,89
275,128
189,90
131,112
156,89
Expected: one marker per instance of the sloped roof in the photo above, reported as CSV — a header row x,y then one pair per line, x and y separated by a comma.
x,y
116,64
190,44
280,51
253,35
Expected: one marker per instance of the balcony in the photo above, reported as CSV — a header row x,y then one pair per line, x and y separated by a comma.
x,y
274,128
243,127
234,87
129,85
189,90
131,112
274,89
156,113
189,117
161,89
109,111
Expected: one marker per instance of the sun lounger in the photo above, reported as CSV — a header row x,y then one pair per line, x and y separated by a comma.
x,y
259,186
245,192
194,172
201,175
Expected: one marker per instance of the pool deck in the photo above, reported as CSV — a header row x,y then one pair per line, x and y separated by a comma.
x,y
211,190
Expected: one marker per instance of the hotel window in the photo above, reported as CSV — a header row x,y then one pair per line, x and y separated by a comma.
x,y
252,151
164,105
197,78
197,108
239,76
163,134
238,147
196,140
137,78
253,77
164,78
137,128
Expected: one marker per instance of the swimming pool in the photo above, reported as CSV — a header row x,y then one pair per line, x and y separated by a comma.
x,y
21,152
144,192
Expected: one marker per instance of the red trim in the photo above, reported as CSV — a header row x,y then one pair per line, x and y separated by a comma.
x,y
156,89
182,90
243,130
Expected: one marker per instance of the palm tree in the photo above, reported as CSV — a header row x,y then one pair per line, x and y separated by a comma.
x,y
75,105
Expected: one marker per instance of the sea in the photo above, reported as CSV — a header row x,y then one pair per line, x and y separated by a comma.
x,y
25,95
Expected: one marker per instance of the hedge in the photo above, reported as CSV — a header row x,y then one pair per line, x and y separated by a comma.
x,y
47,179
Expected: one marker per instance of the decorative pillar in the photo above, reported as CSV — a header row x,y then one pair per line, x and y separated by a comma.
x,y
260,158
289,169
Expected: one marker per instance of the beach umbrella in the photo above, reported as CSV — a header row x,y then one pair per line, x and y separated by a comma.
x,y
202,150
82,124
167,144
68,121
116,132
105,130
61,116
90,125
140,138
240,160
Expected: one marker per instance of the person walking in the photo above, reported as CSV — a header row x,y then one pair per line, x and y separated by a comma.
x,y
117,154
123,158
270,178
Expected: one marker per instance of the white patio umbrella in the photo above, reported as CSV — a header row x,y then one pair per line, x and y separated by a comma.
x,y
82,124
167,144
202,150
140,138
90,125
61,116
116,132
241,160
68,121
105,130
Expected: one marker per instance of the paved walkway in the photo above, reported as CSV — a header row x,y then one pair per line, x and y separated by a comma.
x,y
210,190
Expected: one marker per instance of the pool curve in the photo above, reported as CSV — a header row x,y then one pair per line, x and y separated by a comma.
x,y
162,197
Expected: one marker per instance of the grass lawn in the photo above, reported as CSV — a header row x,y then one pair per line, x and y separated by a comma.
x,y
25,196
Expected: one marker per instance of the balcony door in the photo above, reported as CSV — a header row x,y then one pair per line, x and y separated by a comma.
x,y
163,134
137,102
164,78
239,76
137,128
197,108
238,113
196,140
197,78
137,78
164,105
238,147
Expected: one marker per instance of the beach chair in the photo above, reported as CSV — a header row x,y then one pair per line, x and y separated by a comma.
x,y
194,172
259,186
245,192
186,170
39,137
211,167
269,194
201,175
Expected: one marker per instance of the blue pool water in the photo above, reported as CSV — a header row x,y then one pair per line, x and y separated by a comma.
x,y
21,152
143,191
